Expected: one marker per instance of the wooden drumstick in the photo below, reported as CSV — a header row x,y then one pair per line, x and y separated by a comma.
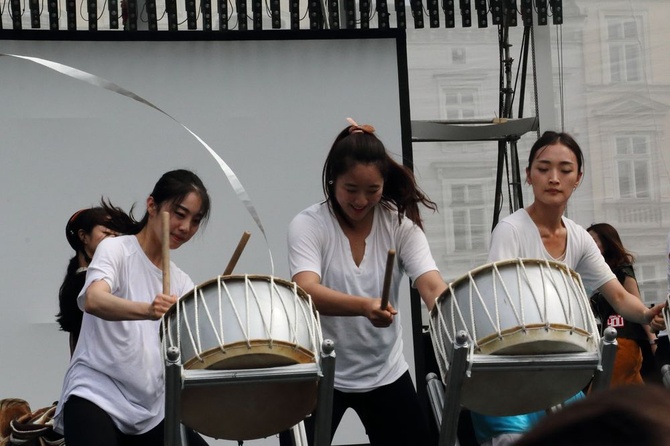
x,y
387,278
238,252
165,245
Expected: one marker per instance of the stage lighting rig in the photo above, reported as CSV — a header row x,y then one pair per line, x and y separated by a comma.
x,y
433,13
315,14
206,11
541,8
510,12
223,15
466,13
527,12
401,21
448,7
152,18
275,14
132,14
92,10
417,13
382,14
16,14
350,14
34,6
364,11
482,13
556,11
53,11
496,12
294,12
171,12
241,6
191,19
113,11
257,14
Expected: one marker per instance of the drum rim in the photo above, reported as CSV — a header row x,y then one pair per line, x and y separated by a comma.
x,y
254,346
240,277
487,267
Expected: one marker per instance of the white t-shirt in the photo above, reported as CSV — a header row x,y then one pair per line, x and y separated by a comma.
x,y
118,365
517,236
367,357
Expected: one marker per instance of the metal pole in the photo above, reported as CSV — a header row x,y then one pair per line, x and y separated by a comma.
x,y
172,425
324,406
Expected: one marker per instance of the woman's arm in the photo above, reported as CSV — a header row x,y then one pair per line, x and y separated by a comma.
x,y
331,302
430,286
630,285
628,305
100,302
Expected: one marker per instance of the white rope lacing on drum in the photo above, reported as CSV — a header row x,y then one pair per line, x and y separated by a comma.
x,y
181,306
234,307
219,338
220,334
303,312
248,285
571,319
541,307
438,341
317,336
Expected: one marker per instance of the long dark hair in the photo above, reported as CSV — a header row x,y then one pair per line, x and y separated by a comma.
x,y
362,147
613,251
549,138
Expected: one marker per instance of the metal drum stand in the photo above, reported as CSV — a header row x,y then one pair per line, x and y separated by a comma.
x,y
445,400
178,379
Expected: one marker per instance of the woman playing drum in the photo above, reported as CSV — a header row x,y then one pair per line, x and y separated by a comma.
x,y
114,391
540,231
338,253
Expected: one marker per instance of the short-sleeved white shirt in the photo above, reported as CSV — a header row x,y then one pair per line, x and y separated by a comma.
x,y
517,236
118,365
367,357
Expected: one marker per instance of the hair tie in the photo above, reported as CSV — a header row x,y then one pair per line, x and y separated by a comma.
x,y
355,128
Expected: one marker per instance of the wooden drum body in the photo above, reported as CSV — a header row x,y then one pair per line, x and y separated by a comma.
x,y
245,322
516,307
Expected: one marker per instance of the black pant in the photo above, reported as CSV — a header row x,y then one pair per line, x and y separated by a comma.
x,y
86,424
662,355
391,414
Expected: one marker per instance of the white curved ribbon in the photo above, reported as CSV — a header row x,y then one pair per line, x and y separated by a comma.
x,y
97,81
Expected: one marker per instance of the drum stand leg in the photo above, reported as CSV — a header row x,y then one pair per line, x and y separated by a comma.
x,y
603,375
174,432
445,403
324,404
298,434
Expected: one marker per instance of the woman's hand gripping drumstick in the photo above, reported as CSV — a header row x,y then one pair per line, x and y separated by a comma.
x,y
238,252
163,301
383,315
388,274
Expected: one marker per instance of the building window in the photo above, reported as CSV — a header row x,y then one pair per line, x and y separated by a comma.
x,y
458,104
468,217
624,44
458,56
633,166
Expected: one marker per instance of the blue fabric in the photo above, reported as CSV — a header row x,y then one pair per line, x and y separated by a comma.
x,y
487,427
